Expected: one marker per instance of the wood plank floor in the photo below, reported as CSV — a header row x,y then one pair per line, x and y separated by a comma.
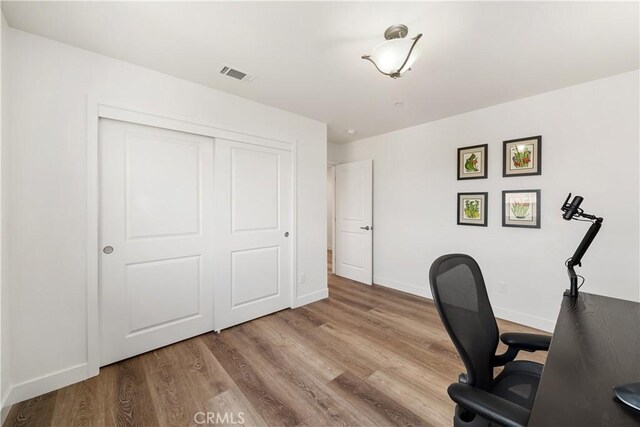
x,y
367,356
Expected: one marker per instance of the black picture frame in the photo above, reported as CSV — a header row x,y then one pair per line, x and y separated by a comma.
x,y
536,160
522,223
484,149
482,222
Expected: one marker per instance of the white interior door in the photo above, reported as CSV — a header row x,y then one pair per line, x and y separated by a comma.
x,y
254,193
156,266
354,221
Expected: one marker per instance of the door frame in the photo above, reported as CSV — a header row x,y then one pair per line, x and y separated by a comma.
x,y
105,109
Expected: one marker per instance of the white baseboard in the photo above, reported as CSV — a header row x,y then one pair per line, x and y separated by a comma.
x,y
501,313
311,297
46,383
524,319
404,287
5,413
5,407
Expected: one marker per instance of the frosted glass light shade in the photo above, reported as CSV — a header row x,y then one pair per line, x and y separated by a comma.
x,y
395,56
391,54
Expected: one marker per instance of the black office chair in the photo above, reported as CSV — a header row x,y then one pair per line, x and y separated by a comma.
x,y
461,298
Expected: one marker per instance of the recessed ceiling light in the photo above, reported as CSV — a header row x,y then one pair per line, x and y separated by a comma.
x,y
351,131
399,104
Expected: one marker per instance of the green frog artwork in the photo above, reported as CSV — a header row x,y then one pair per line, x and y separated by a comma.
x,y
471,163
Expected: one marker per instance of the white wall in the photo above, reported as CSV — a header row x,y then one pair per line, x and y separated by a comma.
x,y
334,156
590,137
334,153
330,203
4,294
47,198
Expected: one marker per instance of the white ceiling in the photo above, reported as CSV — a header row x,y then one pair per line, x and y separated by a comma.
x,y
306,55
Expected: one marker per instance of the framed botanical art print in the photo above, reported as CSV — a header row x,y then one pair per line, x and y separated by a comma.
x,y
472,162
521,157
472,209
521,208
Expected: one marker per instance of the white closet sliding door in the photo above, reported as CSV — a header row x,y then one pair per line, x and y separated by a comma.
x,y
156,235
190,241
254,218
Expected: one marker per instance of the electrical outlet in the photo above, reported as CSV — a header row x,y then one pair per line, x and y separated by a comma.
x,y
502,287
303,278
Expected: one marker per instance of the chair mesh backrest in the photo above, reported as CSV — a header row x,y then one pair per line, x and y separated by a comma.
x,y
461,298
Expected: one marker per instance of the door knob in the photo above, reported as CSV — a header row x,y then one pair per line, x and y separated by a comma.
x,y
107,249
365,228
286,234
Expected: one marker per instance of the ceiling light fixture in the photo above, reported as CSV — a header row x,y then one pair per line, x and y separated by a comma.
x,y
351,131
395,56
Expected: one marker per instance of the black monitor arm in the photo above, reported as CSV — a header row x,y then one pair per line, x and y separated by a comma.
x,y
573,211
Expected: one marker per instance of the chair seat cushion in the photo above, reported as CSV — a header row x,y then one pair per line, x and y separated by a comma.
x,y
518,382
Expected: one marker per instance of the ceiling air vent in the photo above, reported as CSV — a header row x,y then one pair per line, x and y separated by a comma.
x,y
236,74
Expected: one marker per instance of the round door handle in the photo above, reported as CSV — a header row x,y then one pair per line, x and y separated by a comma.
x,y
286,234
365,228
107,249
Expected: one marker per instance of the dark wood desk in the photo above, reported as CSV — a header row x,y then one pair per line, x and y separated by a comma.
x,y
595,346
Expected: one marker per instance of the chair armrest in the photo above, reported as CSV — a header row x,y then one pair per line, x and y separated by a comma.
x,y
489,406
527,342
